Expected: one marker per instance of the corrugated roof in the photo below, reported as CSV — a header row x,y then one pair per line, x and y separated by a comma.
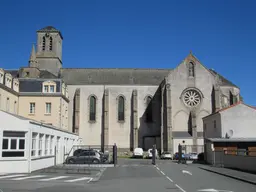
x,y
232,139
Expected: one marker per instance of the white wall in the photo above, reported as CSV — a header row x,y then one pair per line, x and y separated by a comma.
x,y
241,119
28,162
47,160
210,131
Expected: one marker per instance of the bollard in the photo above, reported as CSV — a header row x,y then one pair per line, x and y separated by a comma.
x,y
114,154
180,153
154,155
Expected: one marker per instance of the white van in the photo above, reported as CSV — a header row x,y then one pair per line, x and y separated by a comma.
x,y
150,154
138,152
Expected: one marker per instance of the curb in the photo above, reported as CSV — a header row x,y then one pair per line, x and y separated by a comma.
x,y
227,175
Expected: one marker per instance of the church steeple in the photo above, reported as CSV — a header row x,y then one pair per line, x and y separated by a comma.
x,y
32,59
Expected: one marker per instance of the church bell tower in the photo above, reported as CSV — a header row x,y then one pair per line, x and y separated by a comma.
x,y
49,50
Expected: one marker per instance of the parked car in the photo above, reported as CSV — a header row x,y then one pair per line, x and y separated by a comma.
x,y
84,157
104,156
138,153
166,155
193,156
150,153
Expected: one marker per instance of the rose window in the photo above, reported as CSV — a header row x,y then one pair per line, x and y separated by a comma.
x,y
191,98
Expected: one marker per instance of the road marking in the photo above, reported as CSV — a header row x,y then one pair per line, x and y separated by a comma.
x,y
53,178
184,171
78,179
29,177
180,188
89,180
162,172
214,190
10,176
157,168
169,178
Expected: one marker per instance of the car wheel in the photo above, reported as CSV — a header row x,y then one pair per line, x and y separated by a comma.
x,y
71,161
96,161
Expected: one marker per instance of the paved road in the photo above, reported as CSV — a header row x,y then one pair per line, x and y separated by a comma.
x,y
190,178
129,176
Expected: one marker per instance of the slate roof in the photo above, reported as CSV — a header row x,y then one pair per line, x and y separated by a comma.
x,y
13,72
44,74
224,81
115,76
35,85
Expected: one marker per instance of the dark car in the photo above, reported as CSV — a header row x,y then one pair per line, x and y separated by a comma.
x,y
85,157
104,157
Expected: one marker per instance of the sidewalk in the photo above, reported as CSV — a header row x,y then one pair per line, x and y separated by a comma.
x,y
239,175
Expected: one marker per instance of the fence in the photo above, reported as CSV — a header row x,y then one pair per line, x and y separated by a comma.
x,y
237,159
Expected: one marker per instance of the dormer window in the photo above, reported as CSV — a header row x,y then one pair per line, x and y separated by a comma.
x,y
1,78
49,87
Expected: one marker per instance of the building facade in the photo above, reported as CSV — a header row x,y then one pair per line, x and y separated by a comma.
x,y
9,91
236,121
134,107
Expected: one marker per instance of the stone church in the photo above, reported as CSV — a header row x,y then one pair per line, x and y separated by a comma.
x,y
135,107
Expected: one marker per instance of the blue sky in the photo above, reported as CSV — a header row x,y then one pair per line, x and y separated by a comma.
x,y
138,33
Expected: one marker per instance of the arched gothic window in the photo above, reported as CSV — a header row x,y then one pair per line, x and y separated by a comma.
x,y
149,112
43,46
191,69
92,108
50,45
121,108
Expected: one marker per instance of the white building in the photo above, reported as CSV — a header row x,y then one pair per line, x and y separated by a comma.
x,y
231,129
27,145
236,121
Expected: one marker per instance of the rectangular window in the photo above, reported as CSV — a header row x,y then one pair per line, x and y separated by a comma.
x,y
48,108
46,146
40,144
51,88
33,150
46,88
13,144
32,108
8,104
